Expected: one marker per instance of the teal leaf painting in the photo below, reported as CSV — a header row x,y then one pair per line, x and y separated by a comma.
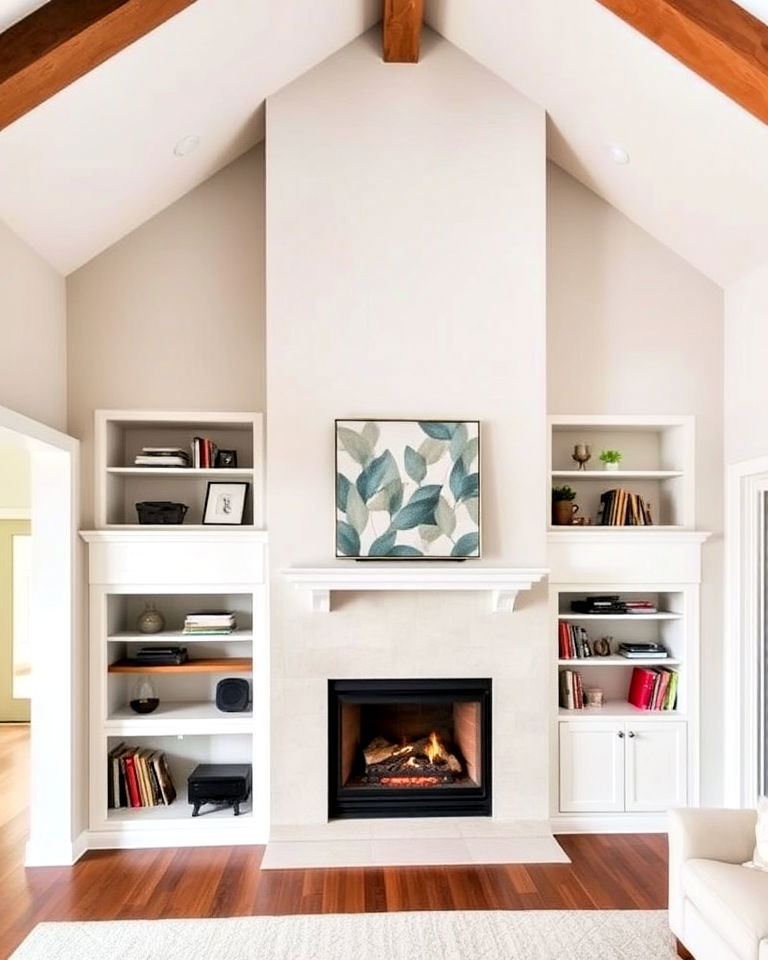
x,y
467,545
432,450
357,512
415,465
347,539
342,492
403,550
382,545
356,445
438,430
458,441
407,488
420,509
457,478
371,477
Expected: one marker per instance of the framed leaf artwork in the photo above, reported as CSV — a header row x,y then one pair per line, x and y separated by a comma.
x,y
408,489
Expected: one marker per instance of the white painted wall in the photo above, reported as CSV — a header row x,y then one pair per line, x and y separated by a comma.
x,y
746,350
633,329
405,278
172,316
33,359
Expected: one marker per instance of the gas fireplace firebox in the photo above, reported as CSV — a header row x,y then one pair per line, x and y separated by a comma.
x,y
409,748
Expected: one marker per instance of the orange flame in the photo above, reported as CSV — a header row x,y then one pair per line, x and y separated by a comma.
x,y
434,749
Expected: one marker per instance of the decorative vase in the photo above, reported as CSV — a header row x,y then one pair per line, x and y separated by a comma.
x,y
144,698
611,466
151,620
563,512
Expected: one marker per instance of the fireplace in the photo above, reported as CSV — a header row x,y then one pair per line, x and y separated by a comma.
x,y
409,748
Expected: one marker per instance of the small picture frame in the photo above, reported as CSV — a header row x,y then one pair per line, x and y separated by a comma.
x,y
225,503
226,459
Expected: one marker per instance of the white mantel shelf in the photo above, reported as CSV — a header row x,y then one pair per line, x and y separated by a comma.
x,y
502,583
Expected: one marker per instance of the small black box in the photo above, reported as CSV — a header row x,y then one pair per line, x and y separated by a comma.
x,y
224,784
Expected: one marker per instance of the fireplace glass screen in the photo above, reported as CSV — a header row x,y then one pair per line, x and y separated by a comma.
x,y
409,748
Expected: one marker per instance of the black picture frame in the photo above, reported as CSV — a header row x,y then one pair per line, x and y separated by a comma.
x,y
220,517
226,459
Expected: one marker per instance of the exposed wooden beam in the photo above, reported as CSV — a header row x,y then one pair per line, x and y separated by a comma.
x,y
717,39
63,40
401,30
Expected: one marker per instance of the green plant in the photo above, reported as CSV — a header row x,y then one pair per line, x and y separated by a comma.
x,y
611,456
562,493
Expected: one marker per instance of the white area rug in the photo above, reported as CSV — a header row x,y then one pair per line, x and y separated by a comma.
x,y
461,935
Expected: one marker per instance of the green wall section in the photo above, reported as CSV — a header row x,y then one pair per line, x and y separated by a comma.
x,y
10,709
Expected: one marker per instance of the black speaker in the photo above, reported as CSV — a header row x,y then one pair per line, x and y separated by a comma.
x,y
232,695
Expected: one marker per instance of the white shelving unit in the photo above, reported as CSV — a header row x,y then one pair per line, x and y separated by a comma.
x,y
179,570
119,484
618,768
657,464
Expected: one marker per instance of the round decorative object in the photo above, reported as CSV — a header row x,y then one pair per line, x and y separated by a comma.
x,y
144,698
602,647
151,620
582,453
595,697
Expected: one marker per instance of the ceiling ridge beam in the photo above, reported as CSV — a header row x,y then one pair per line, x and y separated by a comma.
x,y
717,39
65,39
401,30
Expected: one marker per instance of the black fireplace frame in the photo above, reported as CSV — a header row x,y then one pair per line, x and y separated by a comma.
x,y
345,803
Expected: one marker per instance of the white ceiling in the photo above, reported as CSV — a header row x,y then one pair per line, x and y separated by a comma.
x,y
13,10
94,162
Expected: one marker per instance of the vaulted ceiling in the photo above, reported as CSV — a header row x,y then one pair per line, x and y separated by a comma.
x,y
95,161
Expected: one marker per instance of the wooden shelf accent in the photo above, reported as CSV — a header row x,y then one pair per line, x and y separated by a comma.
x,y
201,665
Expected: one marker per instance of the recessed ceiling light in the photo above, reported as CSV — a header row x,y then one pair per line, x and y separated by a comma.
x,y
618,154
186,145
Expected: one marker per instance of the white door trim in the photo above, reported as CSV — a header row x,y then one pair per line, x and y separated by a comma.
x,y
58,772
746,482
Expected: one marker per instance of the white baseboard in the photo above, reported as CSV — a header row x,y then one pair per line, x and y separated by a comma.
x,y
605,823
63,855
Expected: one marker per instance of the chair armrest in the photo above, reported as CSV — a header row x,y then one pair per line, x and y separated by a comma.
x,y
696,834
701,834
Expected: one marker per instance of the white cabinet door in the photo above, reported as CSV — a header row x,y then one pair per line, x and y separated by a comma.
x,y
591,766
655,765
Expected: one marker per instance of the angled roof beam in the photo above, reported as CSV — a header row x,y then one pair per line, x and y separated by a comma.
x,y
64,39
717,39
401,30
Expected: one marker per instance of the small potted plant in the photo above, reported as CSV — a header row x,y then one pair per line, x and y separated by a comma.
x,y
563,507
611,459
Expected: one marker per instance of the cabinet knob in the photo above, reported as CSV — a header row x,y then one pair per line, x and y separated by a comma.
x,y
631,733
621,734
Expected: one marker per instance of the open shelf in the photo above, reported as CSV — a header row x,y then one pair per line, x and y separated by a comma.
x,y
179,717
618,710
607,476
178,812
661,615
201,665
166,636
616,660
189,473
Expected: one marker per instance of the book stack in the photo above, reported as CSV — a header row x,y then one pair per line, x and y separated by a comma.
x,y
643,651
610,603
640,606
138,778
162,457
653,688
619,508
202,624
203,453
571,690
574,642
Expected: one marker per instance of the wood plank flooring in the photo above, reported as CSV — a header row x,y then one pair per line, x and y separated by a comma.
x,y
607,872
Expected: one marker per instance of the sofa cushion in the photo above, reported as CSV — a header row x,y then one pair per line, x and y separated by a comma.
x,y
733,898
759,859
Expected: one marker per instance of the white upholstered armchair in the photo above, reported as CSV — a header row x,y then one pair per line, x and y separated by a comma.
x,y
718,909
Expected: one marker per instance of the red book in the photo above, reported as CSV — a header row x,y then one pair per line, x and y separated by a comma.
x,y
132,781
641,687
563,640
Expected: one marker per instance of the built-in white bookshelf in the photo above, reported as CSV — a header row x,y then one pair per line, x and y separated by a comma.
x,y
177,570
657,464
120,435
